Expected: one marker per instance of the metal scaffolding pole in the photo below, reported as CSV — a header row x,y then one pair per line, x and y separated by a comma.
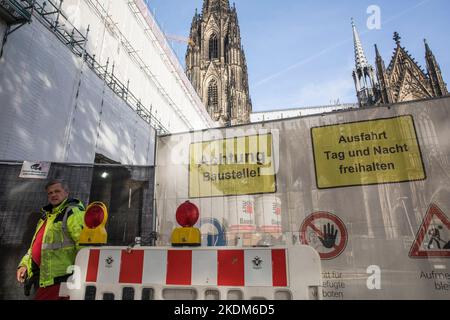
x,y
51,16
112,27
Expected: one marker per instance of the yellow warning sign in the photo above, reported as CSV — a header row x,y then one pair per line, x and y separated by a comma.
x,y
367,152
236,166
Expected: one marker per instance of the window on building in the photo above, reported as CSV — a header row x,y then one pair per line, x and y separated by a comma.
x,y
226,49
213,96
213,47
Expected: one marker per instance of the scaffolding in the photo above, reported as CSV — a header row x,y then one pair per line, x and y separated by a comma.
x,y
15,13
115,31
53,18
154,34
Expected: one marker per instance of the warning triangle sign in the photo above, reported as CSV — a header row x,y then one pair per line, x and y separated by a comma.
x,y
433,238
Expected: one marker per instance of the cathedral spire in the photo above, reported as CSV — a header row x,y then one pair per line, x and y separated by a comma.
x,y
215,5
427,48
397,38
403,80
216,65
360,57
434,71
377,53
384,90
363,75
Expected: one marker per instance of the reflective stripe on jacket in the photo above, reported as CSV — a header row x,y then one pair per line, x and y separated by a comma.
x,y
60,243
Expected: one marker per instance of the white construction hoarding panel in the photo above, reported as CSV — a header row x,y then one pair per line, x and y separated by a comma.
x,y
55,108
36,95
117,132
369,189
86,118
3,27
144,138
120,34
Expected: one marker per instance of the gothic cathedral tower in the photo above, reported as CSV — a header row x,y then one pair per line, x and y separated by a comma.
x,y
216,65
364,74
403,80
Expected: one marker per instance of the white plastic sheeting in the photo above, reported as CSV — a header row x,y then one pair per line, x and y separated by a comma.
x,y
382,221
2,29
125,32
54,108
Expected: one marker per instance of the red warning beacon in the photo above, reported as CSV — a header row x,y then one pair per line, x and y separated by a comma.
x,y
187,216
94,232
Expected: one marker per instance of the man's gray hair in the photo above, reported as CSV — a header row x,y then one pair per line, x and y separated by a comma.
x,y
56,181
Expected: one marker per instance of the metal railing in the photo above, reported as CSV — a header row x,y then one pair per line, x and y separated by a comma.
x,y
113,28
51,16
17,11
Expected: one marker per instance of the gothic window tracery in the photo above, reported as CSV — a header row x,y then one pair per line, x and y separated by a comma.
x,y
213,47
215,34
226,48
213,96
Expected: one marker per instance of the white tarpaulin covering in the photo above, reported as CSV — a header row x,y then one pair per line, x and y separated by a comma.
x,y
126,33
54,108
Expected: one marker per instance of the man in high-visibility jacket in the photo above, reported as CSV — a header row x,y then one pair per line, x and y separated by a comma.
x,y
55,243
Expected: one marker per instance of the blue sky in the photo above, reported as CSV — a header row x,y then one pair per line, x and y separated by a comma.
x,y
300,52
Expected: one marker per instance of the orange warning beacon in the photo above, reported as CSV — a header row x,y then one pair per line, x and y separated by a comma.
x,y
94,232
187,216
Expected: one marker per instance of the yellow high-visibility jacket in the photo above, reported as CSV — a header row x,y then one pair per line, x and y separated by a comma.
x,y
60,243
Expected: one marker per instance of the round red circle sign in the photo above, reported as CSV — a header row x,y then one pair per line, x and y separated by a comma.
x,y
326,233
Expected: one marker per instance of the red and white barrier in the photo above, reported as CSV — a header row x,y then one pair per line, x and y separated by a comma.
x,y
255,271
260,268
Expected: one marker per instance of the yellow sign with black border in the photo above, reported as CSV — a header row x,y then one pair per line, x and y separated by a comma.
x,y
235,166
367,152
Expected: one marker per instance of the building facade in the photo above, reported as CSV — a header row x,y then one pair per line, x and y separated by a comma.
x,y
403,79
81,83
216,64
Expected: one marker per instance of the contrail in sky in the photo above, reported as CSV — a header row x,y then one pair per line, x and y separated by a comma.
x,y
337,45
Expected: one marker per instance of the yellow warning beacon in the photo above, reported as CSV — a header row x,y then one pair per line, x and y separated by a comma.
x,y
187,217
94,232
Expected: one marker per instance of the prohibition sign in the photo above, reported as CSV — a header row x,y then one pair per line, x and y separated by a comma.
x,y
329,228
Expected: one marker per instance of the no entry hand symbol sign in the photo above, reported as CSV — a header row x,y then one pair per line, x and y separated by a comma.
x,y
326,233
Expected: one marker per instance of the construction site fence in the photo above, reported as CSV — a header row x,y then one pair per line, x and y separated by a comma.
x,y
127,192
